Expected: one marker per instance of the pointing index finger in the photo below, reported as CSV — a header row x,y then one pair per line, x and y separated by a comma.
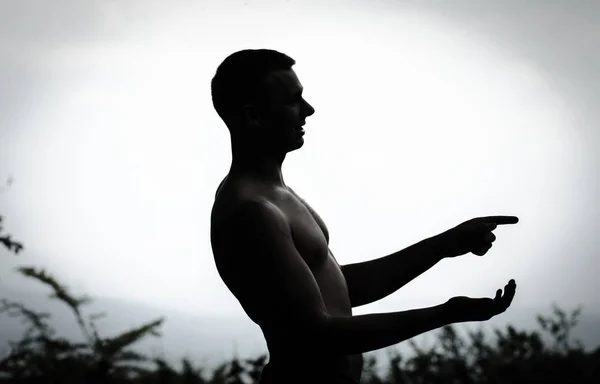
x,y
499,220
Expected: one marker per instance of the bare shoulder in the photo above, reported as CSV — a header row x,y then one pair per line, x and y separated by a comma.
x,y
235,214
236,203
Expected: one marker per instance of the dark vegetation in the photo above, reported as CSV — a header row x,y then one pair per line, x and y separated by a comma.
x,y
509,355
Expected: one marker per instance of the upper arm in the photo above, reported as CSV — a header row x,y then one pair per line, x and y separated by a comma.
x,y
258,261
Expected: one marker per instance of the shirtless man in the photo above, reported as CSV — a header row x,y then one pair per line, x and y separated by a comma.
x,y
271,248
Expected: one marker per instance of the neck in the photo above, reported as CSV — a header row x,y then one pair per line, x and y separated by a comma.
x,y
266,168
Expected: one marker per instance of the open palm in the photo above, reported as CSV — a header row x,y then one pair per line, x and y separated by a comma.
x,y
464,308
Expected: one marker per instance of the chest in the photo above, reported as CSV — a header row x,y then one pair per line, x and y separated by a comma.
x,y
309,231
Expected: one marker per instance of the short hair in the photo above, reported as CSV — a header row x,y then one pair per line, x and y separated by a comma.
x,y
241,76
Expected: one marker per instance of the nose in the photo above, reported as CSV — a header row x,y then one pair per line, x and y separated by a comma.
x,y
309,109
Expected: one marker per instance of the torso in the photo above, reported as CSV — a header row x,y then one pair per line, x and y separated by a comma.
x,y
311,239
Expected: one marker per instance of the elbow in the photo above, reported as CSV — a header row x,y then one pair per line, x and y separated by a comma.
x,y
305,336
323,336
312,336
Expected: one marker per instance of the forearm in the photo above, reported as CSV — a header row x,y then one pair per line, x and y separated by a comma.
x,y
364,333
373,280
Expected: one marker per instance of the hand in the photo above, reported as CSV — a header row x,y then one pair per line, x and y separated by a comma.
x,y
463,308
474,235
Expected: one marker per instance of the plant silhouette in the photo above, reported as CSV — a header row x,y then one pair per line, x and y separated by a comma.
x,y
7,241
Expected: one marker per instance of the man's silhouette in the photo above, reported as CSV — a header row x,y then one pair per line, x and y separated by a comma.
x,y
271,248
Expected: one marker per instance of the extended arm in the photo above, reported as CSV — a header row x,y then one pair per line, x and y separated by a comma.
x,y
373,280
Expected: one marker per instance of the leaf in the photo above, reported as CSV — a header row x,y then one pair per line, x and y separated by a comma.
x,y
8,242
60,292
128,356
111,346
36,319
11,245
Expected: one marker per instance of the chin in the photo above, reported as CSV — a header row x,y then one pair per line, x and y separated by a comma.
x,y
296,145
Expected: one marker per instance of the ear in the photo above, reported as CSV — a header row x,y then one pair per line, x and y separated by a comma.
x,y
251,115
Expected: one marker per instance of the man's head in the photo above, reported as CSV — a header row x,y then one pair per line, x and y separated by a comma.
x,y
259,97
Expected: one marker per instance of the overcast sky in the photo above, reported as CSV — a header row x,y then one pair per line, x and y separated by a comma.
x,y
428,113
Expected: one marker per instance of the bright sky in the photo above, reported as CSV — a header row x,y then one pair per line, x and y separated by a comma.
x,y
424,119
